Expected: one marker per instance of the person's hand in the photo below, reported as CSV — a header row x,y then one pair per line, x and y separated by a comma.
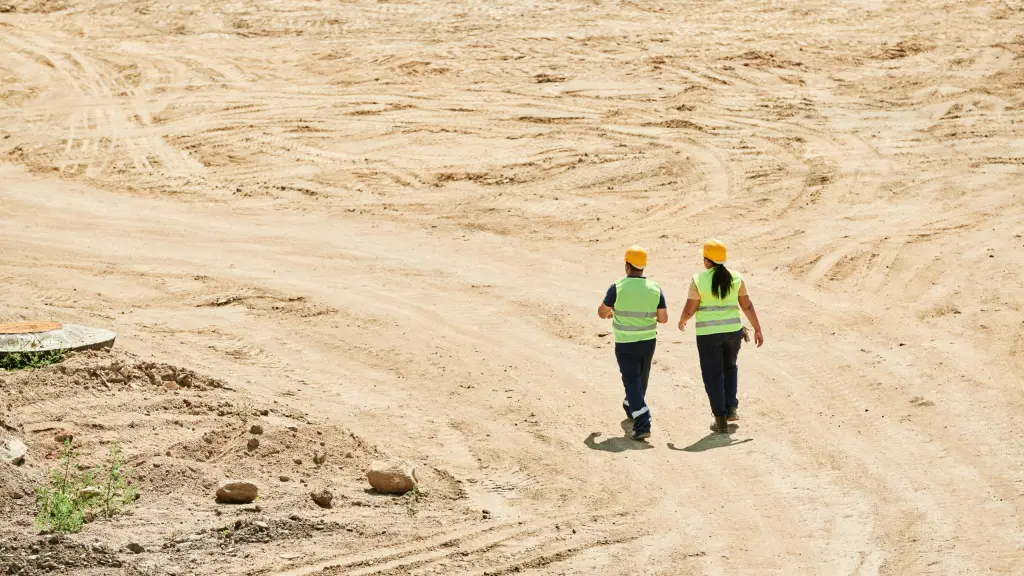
x,y
758,338
682,326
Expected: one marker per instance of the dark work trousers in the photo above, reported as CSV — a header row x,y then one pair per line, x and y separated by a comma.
x,y
635,365
718,354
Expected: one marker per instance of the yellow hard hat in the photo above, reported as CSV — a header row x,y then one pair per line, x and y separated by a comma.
x,y
636,256
714,251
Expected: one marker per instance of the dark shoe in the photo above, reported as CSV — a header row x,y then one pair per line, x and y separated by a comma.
x,y
641,435
629,415
720,425
733,415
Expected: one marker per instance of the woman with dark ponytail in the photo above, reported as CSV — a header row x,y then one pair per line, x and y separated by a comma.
x,y
716,298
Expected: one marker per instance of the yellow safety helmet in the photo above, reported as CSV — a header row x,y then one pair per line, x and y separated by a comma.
x,y
636,256
714,251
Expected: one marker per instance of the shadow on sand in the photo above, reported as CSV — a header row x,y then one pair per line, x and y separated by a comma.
x,y
712,441
617,444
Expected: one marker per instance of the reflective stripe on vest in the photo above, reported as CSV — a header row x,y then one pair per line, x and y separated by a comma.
x,y
638,314
636,310
717,315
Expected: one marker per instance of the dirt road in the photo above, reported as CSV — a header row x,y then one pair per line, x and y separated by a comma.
x,y
401,216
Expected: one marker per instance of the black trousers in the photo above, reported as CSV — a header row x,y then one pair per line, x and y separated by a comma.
x,y
635,366
718,354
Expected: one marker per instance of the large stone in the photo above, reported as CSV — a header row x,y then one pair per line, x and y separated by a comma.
x,y
392,477
237,493
13,451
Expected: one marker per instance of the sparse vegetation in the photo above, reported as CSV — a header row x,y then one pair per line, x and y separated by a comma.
x,y
29,359
244,410
412,501
61,505
72,494
118,491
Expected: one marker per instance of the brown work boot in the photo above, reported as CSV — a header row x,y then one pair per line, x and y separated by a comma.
x,y
720,425
733,415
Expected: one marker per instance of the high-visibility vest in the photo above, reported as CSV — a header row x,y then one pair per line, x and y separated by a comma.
x,y
715,315
636,310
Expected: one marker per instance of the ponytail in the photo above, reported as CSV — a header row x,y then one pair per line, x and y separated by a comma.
x,y
721,282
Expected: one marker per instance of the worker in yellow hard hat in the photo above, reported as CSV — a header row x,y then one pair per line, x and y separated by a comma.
x,y
716,297
636,305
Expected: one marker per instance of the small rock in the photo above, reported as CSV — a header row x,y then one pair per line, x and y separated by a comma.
x,y
264,412
392,477
293,428
256,429
17,495
298,461
135,548
253,444
322,498
89,516
284,479
90,492
13,451
63,436
261,525
237,493
319,458
295,518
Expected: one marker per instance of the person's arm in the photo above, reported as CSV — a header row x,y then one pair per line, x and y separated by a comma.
x,y
688,311
605,310
662,310
692,301
748,308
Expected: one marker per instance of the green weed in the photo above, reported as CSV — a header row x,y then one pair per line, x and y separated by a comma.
x,y
29,359
72,493
118,491
244,410
412,501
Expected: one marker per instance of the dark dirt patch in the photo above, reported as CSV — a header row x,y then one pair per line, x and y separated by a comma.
x,y
27,556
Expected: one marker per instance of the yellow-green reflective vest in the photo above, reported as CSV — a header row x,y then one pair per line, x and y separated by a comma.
x,y
636,310
714,315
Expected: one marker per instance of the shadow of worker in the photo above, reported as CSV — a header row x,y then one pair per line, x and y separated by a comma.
x,y
712,441
617,445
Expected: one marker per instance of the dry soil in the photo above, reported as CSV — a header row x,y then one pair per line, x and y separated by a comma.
x,y
391,223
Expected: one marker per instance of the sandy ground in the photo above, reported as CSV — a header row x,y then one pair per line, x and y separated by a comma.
x,y
396,219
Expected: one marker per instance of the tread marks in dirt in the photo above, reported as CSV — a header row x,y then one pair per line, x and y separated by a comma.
x,y
504,548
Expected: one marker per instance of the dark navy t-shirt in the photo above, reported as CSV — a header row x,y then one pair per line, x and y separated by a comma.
x,y
609,298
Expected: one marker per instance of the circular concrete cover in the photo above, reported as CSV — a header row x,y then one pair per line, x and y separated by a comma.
x,y
48,336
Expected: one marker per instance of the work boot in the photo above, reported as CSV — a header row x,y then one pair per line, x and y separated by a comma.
x,y
733,415
641,435
720,425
